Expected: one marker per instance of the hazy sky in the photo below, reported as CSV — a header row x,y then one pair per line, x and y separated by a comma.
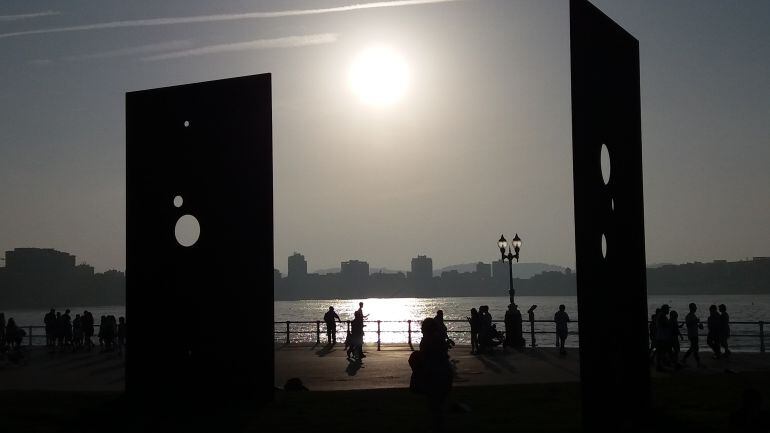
x,y
477,143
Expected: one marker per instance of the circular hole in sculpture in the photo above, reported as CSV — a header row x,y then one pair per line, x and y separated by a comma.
x,y
604,246
605,164
186,123
178,201
187,230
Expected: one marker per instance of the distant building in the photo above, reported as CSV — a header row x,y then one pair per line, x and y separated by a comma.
x,y
297,266
500,270
354,270
39,261
422,268
84,270
483,270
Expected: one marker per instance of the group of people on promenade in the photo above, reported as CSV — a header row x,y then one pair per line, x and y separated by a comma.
x,y
665,335
11,335
62,332
354,340
485,335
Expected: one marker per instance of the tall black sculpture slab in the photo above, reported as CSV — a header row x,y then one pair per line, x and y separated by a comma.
x,y
201,315
612,288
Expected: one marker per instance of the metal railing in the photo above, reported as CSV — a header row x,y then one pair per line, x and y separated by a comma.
x,y
533,330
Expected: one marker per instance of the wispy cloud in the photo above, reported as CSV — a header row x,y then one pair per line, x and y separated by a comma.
x,y
132,51
222,17
27,16
260,44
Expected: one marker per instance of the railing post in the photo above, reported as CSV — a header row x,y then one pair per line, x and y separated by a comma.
x,y
761,336
378,335
318,332
30,336
287,331
409,333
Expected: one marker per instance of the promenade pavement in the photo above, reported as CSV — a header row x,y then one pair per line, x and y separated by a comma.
x,y
326,369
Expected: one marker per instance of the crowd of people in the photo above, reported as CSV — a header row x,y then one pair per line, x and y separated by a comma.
x,y
665,335
65,333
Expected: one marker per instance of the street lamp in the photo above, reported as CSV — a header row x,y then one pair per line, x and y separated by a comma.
x,y
503,244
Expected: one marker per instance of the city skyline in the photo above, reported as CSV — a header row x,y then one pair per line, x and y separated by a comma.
x,y
471,139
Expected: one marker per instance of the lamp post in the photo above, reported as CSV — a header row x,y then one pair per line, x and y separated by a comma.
x,y
503,244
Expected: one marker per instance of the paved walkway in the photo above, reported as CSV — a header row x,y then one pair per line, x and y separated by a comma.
x,y
324,369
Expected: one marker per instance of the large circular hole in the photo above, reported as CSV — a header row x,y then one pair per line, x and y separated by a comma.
x,y
186,123
604,246
187,230
605,164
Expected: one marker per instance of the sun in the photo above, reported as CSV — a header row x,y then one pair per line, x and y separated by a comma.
x,y
379,76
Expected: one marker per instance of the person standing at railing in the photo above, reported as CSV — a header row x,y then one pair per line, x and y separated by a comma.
x,y
561,318
2,330
331,325
88,329
475,323
443,329
724,329
693,325
714,325
676,336
50,328
14,334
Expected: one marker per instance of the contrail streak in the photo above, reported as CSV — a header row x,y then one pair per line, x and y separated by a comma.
x,y
260,44
27,16
222,17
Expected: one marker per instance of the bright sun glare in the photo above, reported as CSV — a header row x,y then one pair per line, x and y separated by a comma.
x,y
379,76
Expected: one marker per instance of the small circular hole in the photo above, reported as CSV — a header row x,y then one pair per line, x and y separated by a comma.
x,y
612,204
178,201
187,230
605,161
604,246
186,123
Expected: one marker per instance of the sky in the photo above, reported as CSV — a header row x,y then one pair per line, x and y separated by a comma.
x,y
471,139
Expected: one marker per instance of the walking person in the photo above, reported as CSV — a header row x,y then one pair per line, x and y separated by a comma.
x,y
693,325
121,334
88,329
475,321
561,318
356,348
663,335
724,330
432,372
676,336
714,327
331,325
652,353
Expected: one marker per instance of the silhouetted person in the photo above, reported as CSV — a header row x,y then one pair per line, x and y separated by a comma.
x,y
14,334
653,333
714,327
59,330
676,335
442,327
88,329
50,328
693,325
2,331
475,323
663,334
331,325
513,327
432,373
750,418
102,328
724,330
357,333
489,336
561,318
66,327
531,317
77,333
121,334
